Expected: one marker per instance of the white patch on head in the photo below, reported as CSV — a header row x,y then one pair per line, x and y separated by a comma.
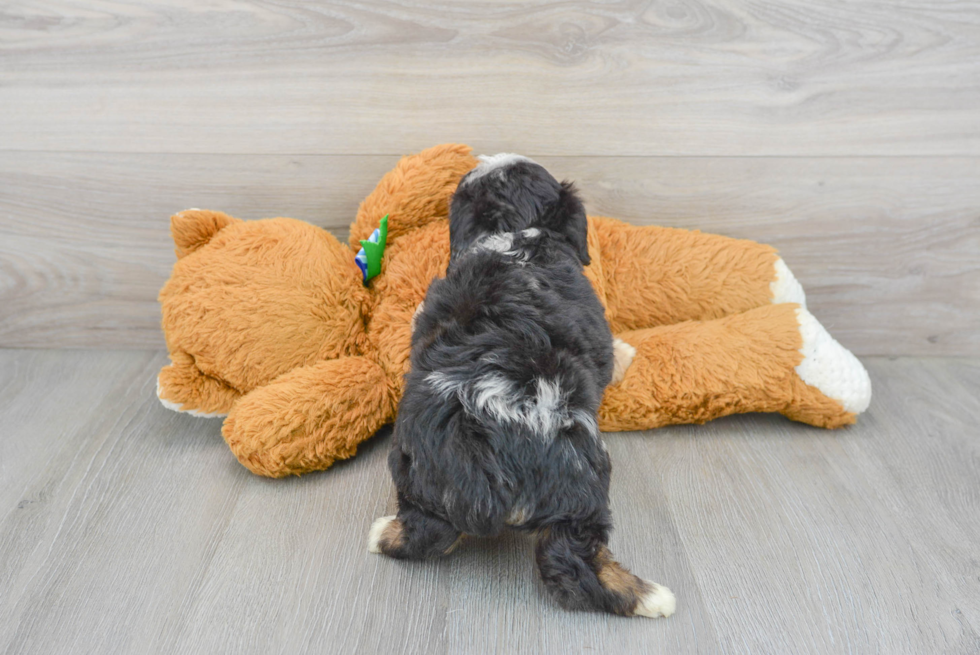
x,y
502,242
374,535
830,367
786,288
531,233
499,242
176,407
490,163
659,601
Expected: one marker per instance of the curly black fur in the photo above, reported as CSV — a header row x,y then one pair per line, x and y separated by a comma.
x,y
510,357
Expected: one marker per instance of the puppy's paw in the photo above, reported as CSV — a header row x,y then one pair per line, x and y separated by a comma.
x,y
378,529
659,601
623,355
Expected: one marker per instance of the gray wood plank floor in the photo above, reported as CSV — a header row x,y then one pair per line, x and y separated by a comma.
x,y
127,528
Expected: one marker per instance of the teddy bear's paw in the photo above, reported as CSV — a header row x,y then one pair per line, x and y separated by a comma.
x,y
179,407
623,355
786,288
659,601
377,531
830,367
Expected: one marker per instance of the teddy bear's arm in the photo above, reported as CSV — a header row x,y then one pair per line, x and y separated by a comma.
x,y
310,417
776,358
183,387
658,276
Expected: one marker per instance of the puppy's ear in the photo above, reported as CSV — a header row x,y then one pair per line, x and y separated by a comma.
x,y
568,218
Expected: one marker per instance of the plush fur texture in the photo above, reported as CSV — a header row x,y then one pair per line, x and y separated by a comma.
x,y
510,357
250,301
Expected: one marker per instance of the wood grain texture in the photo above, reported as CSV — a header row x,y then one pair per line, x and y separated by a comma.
x,y
885,247
697,77
125,527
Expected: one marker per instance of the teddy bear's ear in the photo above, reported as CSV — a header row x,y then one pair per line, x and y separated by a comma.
x,y
193,228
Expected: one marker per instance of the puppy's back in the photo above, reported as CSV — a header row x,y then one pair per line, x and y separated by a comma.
x,y
509,363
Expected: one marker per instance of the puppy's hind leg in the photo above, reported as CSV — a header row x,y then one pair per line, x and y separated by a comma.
x,y
412,534
579,570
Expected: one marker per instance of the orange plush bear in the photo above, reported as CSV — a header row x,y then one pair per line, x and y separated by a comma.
x,y
269,323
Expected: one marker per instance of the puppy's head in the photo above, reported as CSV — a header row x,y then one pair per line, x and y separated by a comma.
x,y
508,193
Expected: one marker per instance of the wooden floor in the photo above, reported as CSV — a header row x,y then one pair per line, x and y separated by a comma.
x,y
129,528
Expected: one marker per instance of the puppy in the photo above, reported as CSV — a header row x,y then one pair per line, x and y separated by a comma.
x,y
497,426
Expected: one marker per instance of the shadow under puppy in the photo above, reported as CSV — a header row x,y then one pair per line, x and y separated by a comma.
x,y
497,426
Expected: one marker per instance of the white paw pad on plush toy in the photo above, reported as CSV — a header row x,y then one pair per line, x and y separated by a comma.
x,y
831,367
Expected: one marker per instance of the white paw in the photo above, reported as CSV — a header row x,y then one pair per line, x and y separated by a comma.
x,y
169,404
377,528
786,288
623,355
830,367
659,601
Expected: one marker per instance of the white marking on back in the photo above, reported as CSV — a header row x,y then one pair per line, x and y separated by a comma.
x,y
444,385
496,395
544,412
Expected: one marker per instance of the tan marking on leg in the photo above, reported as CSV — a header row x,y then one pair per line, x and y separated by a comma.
x,y
517,516
455,544
640,597
614,577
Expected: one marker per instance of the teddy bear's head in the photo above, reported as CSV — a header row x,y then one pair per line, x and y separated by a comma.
x,y
250,300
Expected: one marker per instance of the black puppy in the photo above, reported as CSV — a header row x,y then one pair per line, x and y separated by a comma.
x,y
497,425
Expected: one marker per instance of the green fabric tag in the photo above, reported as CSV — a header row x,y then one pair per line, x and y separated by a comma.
x,y
374,251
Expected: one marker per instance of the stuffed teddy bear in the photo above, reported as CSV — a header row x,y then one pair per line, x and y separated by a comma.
x,y
271,324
